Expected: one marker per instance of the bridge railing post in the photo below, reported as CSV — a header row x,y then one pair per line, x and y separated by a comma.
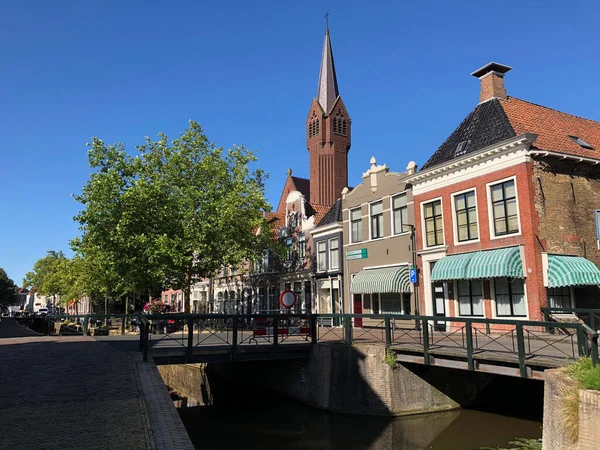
x,y
388,331
275,330
347,329
469,339
425,327
190,338
86,323
521,350
313,328
146,326
581,342
123,320
594,350
234,335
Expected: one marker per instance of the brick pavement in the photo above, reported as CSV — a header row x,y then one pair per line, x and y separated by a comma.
x,y
75,392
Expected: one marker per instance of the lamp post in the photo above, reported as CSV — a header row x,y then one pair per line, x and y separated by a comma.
x,y
413,239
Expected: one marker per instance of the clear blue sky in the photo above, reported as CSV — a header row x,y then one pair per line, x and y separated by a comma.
x,y
247,71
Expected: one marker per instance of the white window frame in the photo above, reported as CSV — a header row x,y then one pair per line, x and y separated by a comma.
x,y
488,188
324,254
371,238
329,249
350,225
494,306
424,234
455,221
392,197
457,299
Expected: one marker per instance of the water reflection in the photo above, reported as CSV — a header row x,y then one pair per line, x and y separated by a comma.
x,y
254,420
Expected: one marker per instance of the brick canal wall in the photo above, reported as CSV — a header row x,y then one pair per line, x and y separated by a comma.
x,y
555,433
356,380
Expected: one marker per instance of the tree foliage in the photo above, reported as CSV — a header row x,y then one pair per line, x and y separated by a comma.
x,y
8,290
47,275
175,212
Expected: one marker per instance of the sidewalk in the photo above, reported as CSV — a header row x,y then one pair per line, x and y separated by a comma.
x,y
74,392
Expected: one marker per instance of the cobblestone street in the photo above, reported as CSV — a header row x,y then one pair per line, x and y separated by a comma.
x,y
73,393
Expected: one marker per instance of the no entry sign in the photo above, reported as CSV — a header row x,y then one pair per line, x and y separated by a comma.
x,y
287,299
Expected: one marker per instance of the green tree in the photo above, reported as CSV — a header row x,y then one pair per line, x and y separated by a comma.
x,y
8,290
176,212
47,275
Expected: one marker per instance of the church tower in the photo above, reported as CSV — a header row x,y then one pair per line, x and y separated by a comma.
x,y
327,135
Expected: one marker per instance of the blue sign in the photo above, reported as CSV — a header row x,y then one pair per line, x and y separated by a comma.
x,y
412,275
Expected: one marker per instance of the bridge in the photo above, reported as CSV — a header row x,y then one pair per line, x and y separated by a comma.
x,y
520,348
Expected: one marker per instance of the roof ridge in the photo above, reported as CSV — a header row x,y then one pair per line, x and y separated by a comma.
x,y
509,97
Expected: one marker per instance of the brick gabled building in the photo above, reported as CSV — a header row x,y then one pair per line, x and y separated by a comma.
x,y
505,210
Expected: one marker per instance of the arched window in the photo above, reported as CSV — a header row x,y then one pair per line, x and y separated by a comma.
x,y
335,125
344,128
317,127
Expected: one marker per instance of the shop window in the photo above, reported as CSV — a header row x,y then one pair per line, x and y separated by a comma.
x,y
470,297
559,297
510,297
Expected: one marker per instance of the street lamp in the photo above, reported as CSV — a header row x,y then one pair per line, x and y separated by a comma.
x,y
413,239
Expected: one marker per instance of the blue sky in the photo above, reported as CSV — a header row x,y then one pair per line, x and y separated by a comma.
x,y
247,71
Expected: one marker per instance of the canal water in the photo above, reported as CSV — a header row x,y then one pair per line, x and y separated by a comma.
x,y
246,418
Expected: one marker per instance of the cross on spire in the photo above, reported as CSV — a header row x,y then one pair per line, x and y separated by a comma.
x,y
327,20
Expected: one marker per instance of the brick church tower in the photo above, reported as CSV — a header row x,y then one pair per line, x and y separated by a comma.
x,y
328,135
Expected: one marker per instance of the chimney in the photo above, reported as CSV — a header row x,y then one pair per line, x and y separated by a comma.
x,y
491,77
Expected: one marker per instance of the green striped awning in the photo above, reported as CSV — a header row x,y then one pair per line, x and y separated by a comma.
x,y
389,279
571,271
502,262
452,267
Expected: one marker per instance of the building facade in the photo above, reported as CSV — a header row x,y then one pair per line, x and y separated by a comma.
x,y
378,230
504,210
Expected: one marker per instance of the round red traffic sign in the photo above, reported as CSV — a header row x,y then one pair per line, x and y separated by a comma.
x,y
287,299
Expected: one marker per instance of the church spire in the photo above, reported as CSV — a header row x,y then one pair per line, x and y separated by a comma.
x,y
328,87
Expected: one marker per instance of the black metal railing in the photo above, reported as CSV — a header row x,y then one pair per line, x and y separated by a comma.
x,y
590,316
90,324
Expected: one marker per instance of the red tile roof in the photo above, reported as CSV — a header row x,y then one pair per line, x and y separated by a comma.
x,y
553,128
276,220
320,211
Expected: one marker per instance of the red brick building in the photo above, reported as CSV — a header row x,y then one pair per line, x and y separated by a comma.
x,y
505,210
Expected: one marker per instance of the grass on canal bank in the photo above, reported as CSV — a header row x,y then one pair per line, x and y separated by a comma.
x,y
520,444
586,376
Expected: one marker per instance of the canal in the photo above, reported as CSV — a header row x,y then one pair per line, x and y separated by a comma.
x,y
244,417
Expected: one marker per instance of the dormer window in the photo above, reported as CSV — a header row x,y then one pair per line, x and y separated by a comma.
x,y
461,148
581,142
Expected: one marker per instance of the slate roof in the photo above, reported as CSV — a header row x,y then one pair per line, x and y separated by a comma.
x,y
484,126
302,185
328,91
498,119
333,215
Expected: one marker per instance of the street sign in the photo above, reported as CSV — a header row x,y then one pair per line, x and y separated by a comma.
x,y
361,253
287,299
412,275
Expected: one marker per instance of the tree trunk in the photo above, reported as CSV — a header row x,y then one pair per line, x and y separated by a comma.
x,y
187,288
127,304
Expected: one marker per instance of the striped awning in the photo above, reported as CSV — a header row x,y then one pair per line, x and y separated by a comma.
x,y
452,267
502,262
389,279
571,271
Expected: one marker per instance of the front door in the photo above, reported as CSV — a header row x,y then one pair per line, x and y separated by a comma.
x,y
438,301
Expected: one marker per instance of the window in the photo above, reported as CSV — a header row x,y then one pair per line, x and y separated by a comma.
x,y
172,299
470,297
559,297
321,256
288,248
377,220
356,225
510,297
581,142
334,254
434,230
461,148
301,246
466,216
504,208
399,213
